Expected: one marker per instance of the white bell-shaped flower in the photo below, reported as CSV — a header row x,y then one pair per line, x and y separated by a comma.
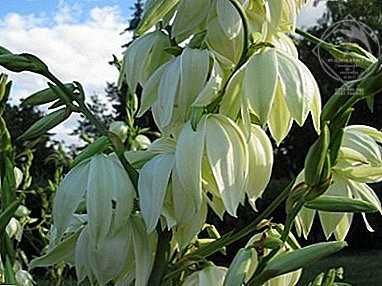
x,y
143,57
103,188
277,88
359,163
191,78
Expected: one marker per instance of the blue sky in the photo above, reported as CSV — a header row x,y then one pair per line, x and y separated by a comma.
x,y
47,7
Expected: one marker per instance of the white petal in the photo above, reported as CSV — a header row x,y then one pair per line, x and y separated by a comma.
x,y
144,250
229,18
68,196
228,157
188,156
99,198
260,163
260,82
152,186
280,120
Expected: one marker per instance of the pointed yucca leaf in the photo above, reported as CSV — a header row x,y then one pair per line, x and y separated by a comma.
x,y
152,186
260,82
99,198
7,214
239,267
57,254
144,250
22,62
297,259
44,96
341,204
70,193
188,157
98,146
154,11
45,124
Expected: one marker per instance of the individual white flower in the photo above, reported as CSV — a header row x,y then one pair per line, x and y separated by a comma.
x,y
210,275
193,78
102,188
126,254
216,157
275,87
359,163
143,57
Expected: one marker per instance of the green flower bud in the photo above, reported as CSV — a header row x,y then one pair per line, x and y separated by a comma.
x,y
341,204
239,267
22,62
45,124
44,96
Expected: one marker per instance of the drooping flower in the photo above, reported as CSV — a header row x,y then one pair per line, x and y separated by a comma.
x,y
98,188
359,163
191,79
275,87
144,56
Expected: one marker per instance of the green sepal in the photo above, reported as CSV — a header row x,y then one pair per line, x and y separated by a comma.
x,y
45,124
297,259
44,96
23,62
98,146
316,157
341,204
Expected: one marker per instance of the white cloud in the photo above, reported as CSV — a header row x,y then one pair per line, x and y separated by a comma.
x,y
73,50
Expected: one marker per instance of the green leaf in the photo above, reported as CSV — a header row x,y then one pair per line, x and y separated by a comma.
x,y
44,96
7,214
98,146
341,204
297,259
45,124
155,10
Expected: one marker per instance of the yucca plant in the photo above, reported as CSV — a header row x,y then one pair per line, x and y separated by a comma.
x,y
219,76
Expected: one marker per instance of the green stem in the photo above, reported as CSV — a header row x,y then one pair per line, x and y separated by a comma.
x,y
362,61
